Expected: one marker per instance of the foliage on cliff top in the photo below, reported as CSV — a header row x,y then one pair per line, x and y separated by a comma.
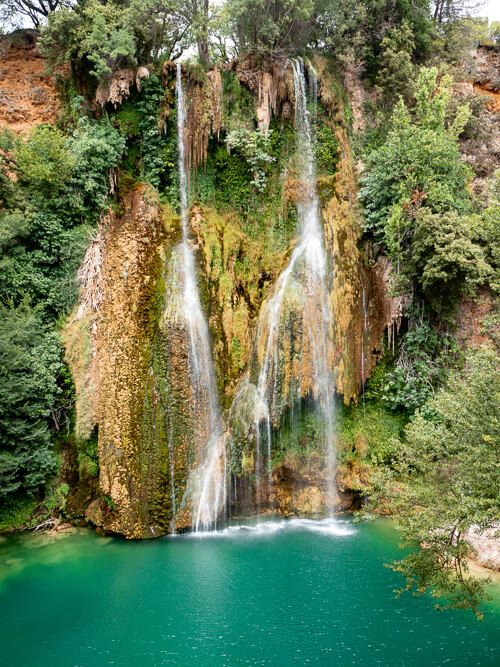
x,y
108,36
418,164
417,198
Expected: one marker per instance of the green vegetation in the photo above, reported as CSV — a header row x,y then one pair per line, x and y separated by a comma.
x,y
417,200
30,363
448,481
151,151
368,432
421,365
60,188
101,37
419,207
254,147
395,77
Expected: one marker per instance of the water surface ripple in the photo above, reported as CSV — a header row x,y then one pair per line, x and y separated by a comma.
x,y
269,592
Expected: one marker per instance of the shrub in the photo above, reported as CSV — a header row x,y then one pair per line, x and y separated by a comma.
x,y
253,145
420,367
419,164
45,161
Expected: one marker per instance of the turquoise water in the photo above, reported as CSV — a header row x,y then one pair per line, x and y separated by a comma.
x,y
279,594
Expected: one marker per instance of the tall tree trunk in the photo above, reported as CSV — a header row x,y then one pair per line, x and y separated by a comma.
x,y
202,41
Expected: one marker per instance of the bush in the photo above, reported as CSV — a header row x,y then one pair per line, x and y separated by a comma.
x,y
253,146
45,161
61,188
445,259
370,430
421,366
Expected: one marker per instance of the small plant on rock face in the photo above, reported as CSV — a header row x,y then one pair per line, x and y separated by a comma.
x,y
254,147
420,367
56,502
110,503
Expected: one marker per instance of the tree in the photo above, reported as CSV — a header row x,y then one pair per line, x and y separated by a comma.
x,y
446,481
271,27
396,74
196,15
30,360
62,186
37,11
57,186
445,257
494,32
450,10
418,171
104,36
356,31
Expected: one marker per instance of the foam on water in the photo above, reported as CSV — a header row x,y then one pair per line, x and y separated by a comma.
x,y
267,528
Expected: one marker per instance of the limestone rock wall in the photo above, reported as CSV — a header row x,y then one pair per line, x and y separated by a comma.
x,y
28,95
128,362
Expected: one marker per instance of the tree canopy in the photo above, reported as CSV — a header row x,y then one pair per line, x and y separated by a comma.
x,y
446,481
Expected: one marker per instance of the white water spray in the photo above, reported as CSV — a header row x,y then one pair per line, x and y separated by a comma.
x,y
208,480
307,267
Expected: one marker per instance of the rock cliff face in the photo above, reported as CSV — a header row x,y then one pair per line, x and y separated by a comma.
x,y
118,318
27,94
127,344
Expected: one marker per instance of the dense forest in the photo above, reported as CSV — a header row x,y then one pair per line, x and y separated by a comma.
x,y
408,176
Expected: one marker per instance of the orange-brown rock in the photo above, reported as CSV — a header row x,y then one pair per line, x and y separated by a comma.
x,y
28,94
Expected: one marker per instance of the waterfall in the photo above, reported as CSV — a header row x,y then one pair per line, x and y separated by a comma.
x,y
306,273
208,481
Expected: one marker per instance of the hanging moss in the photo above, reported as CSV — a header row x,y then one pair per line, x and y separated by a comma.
x,y
367,432
238,101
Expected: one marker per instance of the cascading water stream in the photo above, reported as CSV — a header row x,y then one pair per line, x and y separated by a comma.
x,y
308,267
208,480
364,338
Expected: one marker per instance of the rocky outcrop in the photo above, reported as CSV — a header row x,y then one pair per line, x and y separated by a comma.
x,y
28,95
119,85
128,364
485,546
480,144
360,303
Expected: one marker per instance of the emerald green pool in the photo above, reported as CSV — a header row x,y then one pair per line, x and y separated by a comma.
x,y
281,593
